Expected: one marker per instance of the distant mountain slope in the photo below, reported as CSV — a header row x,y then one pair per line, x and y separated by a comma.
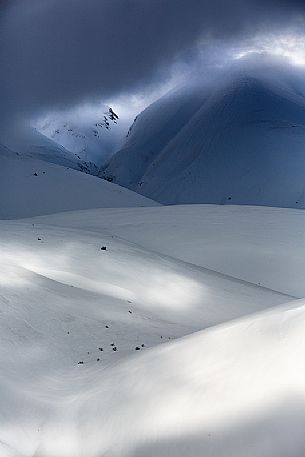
x,y
151,131
32,187
31,143
79,144
92,141
242,142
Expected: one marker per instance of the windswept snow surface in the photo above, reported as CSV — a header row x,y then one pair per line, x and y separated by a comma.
x,y
265,246
32,187
235,142
232,390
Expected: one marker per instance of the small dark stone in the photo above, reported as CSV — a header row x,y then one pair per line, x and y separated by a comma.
x,y
39,239
97,359
80,363
111,344
142,345
128,301
229,198
106,326
114,348
35,174
130,312
100,349
88,352
103,248
137,348
68,333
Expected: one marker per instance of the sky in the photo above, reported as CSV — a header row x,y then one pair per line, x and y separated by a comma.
x,y
59,54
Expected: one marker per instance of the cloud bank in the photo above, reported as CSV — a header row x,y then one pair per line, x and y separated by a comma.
x,y
59,53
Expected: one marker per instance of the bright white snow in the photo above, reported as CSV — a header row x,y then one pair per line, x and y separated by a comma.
x,y
215,392
265,246
233,391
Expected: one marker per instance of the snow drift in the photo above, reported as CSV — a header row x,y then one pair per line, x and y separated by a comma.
x,y
236,390
264,246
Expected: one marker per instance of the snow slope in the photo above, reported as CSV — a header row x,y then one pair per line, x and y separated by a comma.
x,y
29,142
233,391
150,133
265,246
62,298
239,141
55,188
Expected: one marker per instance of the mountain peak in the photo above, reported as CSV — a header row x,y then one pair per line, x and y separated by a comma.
x,y
240,141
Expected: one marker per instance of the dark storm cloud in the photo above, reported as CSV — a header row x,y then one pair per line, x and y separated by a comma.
x,y
55,53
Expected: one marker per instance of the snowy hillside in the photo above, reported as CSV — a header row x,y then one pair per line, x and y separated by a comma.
x,y
28,142
82,311
233,391
264,246
238,142
32,187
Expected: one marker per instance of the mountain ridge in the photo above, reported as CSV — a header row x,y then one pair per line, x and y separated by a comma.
x,y
242,145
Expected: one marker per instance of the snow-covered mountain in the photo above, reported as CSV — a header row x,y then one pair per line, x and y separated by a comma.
x,y
31,187
84,146
241,141
92,142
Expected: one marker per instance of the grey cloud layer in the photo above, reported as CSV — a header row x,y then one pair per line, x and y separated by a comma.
x,y
60,52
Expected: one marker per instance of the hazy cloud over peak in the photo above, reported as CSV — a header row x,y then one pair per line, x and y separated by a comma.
x,y
57,53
